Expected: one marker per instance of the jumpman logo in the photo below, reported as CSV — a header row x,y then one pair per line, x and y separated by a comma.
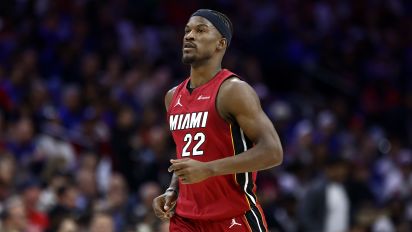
x,y
234,223
178,102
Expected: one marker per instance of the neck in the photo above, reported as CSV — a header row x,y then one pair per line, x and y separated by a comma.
x,y
202,73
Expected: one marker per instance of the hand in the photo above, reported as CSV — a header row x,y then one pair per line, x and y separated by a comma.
x,y
164,205
190,171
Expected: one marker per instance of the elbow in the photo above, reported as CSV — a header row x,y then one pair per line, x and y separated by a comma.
x,y
276,156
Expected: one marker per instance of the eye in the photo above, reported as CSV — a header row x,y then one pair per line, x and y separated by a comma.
x,y
187,31
199,30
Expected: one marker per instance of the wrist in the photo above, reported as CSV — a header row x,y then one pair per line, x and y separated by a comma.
x,y
212,170
170,189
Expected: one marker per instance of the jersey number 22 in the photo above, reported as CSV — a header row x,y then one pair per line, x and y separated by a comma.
x,y
199,138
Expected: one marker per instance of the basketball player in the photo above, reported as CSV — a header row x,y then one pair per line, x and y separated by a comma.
x,y
222,138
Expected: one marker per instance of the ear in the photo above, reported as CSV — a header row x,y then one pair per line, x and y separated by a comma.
x,y
222,44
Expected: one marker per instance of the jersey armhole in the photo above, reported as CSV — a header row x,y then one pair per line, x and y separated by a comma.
x,y
228,120
172,99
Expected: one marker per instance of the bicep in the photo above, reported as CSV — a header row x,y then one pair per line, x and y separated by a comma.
x,y
256,125
241,102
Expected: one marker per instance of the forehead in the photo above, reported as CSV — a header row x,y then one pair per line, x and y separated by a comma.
x,y
198,20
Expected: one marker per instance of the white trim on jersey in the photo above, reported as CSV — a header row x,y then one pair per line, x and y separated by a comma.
x,y
247,181
246,173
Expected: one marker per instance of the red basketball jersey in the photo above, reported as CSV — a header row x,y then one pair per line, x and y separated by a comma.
x,y
200,133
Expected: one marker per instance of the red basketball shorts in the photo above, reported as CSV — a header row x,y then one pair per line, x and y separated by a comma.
x,y
250,222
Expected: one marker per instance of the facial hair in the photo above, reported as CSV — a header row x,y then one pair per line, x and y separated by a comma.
x,y
188,59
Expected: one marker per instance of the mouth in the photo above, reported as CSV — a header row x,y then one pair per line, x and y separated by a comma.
x,y
189,45
187,49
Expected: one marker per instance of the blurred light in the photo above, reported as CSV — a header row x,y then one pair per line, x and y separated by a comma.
x,y
304,128
384,146
280,110
326,118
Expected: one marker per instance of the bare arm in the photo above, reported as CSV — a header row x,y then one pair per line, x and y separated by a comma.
x,y
163,205
174,183
237,102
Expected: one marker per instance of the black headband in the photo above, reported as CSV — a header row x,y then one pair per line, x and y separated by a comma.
x,y
218,21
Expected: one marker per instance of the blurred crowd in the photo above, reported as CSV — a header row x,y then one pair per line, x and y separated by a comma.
x,y
84,144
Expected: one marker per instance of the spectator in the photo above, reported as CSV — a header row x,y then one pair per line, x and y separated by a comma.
x,y
22,144
325,206
87,186
31,190
115,202
123,143
102,222
49,196
7,176
66,205
14,216
68,225
53,144
144,213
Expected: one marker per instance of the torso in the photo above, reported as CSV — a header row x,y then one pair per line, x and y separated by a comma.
x,y
201,133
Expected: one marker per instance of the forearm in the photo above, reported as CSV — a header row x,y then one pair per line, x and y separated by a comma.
x,y
174,183
254,159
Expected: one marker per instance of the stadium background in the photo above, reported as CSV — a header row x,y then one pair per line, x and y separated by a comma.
x,y
83,135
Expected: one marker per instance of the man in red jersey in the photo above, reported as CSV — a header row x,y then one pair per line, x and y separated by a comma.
x,y
222,138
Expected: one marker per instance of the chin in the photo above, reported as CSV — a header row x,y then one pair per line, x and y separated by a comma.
x,y
188,59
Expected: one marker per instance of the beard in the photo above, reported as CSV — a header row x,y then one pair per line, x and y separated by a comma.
x,y
194,59
188,59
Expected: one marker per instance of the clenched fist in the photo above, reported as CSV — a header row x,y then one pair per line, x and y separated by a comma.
x,y
164,205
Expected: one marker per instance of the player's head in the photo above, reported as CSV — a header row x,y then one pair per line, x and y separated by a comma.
x,y
207,34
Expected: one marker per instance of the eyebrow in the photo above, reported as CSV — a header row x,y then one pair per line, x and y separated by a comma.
x,y
199,25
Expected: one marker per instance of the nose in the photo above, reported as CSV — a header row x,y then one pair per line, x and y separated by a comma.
x,y
189,36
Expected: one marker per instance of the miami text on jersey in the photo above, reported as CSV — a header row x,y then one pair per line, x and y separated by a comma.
x,y
188,121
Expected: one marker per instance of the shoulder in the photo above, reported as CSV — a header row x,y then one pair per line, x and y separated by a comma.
x,y
236,95
169,96
233,84
234,90
171,91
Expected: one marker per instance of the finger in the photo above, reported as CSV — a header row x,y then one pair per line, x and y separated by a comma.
x,y
160,212
172,168
176,161
170,214
165,217
169,204
175,167
161,215
181,172
185,180
156,207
